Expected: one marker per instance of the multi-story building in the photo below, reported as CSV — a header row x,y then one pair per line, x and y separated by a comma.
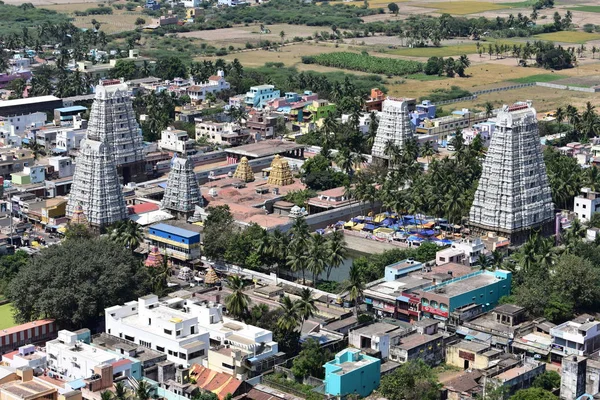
x,y
352,372
443,127
586,204
31,332
176,140
63,166
427,346
178,243
20,123
215,84
260,95
579,337
69,139
317,110
72,358
160,327
221,132
394,127
14,160
466,251
261,125
30,174
424,111
513,196
401,269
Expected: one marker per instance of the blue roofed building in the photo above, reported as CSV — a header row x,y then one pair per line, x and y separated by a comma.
x,y
352,372
67,113
179,243
401,268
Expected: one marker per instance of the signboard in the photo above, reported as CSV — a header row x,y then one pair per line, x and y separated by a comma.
x,y
435,311
466,356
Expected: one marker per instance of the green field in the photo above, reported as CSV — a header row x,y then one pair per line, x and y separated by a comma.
x,y
425,78
6,317
568,36
463,7
593,9
445,51
518,4
538,78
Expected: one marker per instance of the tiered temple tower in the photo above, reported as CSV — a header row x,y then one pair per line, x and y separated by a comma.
x,y
280,174
394,125
96,191
182,194
513,196
112,121
243,171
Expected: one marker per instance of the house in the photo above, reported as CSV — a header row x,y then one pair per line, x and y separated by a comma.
x,y
71,358
425,344
65,114
586,204
352,373
230,3
63,166
69,139
160,327
221,132
401,269
466,251
329,199
378,337
29,387
259,96
261,125
176,140
579,337
215,84
191,3
178,243
30,174
19,123
467,355
26,356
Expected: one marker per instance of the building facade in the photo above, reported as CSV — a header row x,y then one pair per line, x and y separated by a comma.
x,y
259,96
178,243
394,127
176,140
586,204
352,372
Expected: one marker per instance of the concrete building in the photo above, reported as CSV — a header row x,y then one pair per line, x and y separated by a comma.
x,y
96,186
467,355
586,204
579,337
29,105
18,124
221,132
394,126
215,84
63,166
176,140
29,387
444,127
177,243
261,125
72,358
259,96
160,327
14,160
112,122
182,193
377,338
26,356
513,195
352,372
30,333
69,139
401,269
30,174
428,347
573,377
466,251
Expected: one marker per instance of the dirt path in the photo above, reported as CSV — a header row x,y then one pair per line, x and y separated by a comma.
x,y
369,246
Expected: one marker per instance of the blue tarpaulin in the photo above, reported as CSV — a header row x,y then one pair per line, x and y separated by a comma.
x,y
369,227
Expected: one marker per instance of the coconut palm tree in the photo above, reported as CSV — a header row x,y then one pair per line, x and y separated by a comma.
x,y
337,251
355,287
297,257
317,262
497,258
161,276
237,302
120,391
428,151
483,262
489,109
143,391
289,319
305,305
106,395
128,233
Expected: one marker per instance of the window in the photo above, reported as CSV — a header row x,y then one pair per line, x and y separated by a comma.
x,y
182,356
192,330
168,332
178,333
224,365
160,348
130,338
149,321
170,352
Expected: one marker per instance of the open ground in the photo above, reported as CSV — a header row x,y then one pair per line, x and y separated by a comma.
x,y
6,316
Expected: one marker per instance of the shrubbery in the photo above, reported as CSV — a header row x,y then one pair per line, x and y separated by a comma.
x,y
365,63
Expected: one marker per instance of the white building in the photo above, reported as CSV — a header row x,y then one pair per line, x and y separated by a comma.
x,y
586,204
466,252
62,165
231,3
215,84
577,337
176,140
162,326
394,126
26,356
10,139
73,359
19,123
191,3
364,121
69,139
221,132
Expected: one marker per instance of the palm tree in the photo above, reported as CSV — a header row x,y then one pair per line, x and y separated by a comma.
x,y
337,251
355,287
483,262
297,257
497,258
106,395
143,391
161,276
128,233
282,35
237,302
288,321
428,151
120,391
489,109
305,305
317,261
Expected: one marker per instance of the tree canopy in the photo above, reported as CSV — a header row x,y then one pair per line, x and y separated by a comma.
x,y
413,380
311,359
73,282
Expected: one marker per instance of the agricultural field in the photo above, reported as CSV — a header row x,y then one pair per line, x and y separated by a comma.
x,y
365,63
568,37
6,317
591,9
468,47
538,78
464,7
240,35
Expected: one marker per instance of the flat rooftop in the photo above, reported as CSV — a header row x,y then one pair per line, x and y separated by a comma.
x,y
472,346
27,100
417,339
395,288
376,328
265,148
458,287
515,372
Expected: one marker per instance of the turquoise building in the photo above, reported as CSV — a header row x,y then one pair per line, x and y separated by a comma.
x,y
258,96
352,372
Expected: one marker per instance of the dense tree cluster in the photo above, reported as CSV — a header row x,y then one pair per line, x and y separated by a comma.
x,y
365,63
413,380
449,66
73,282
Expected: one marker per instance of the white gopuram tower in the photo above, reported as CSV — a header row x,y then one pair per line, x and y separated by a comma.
x,y
513,196
394,125
182,193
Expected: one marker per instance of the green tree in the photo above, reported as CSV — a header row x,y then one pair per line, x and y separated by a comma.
x,y
306,304
336,253
125,69
413,380
10,265
128,233
317,260
533,394
218,230
355,287
237,302
143,391
140,21
289,319
170,68
121,391
310,361
393,7
75,281
549,380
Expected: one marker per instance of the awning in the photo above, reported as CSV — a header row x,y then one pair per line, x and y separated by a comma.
x,y
358,227
369,227
483,337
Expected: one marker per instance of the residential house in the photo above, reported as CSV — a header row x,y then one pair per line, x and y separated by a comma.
x,y
221,132
259,96
215,84
352,373
63,166
176,140
586,204
579,337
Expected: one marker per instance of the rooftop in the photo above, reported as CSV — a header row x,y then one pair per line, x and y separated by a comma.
x,y
416,340
27,100
265,148
174,230
472,346
515,372
347,366
23,327
395,288
375,329
465,284
509,309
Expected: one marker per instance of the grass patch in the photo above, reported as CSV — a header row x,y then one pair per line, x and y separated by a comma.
x,y
568,36
6,316
445,51
538,78
425,78
592,9
372,4
463,7
518,4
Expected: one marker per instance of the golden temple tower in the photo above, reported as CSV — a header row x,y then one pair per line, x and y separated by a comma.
x,y
280,175
243,171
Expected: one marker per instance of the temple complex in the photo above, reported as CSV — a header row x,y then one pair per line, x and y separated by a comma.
x,y
112,122
513,196
394,127
96,188
243,171
281,174
182,193
78,216
154,259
